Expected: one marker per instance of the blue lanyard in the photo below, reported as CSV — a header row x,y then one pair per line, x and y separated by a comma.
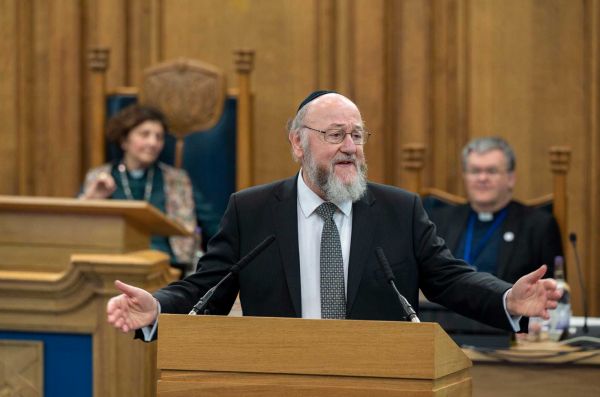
x,y
470,253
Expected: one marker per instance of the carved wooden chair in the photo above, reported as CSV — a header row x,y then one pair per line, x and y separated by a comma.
x,y
210,126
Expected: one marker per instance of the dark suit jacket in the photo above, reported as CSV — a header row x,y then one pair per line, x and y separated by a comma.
x,y
385,217
536,238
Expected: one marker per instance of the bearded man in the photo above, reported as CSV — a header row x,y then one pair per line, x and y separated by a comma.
x,y
327,222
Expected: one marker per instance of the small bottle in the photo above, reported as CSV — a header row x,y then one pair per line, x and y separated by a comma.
x,y
560,318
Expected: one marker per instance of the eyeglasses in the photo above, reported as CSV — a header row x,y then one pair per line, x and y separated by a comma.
x,y
337,135
492,171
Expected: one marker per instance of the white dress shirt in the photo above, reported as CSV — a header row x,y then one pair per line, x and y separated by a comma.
x,y
310,227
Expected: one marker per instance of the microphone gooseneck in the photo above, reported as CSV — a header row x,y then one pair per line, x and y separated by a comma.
x,y
252,254
200,307
573,240
389,275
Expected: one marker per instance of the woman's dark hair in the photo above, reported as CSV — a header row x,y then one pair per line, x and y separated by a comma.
x,y
119,126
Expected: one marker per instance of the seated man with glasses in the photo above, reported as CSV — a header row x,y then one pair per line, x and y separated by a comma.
x,y
493,233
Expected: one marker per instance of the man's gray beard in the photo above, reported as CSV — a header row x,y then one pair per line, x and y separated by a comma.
x,y
332,187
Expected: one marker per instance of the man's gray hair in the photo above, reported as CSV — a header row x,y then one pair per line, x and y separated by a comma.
x,y
298,121
295,125
486,144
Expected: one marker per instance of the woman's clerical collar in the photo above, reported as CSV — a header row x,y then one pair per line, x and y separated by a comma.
x,y
137,174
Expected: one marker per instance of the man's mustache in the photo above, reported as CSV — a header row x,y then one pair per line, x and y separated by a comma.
x,y
344,158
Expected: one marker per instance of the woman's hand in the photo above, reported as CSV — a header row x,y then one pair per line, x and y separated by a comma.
x,y
101,188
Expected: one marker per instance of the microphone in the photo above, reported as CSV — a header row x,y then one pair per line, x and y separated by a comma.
x,y
200,307
389,275
573,240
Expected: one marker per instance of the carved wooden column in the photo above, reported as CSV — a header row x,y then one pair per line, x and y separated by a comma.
x,y
98,63
560,158
413,162
244,62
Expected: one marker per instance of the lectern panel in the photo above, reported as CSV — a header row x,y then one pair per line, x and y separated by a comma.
x,y
227,356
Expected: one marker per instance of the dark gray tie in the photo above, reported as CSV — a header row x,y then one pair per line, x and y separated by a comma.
x,y
333,290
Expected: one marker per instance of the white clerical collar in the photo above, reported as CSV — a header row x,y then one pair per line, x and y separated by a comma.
x,y
309,200
485,216
137,174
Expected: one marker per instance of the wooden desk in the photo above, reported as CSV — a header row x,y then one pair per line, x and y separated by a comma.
x,y
535,369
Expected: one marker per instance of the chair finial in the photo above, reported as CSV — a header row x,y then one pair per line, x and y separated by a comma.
x,y
244,60
413,156
560,159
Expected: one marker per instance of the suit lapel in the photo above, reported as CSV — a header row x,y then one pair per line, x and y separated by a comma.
x,y
361,245
285,212
507,248
455,226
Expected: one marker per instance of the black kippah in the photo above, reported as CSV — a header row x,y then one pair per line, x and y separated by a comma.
x,y
314,95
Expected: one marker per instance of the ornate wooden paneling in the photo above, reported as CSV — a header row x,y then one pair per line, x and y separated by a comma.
x,y
56,97
511,68
591,190
9,88
144,21
410,63
109,27
22,364
448,93
41,96
16,89
369,78
526,83
284,36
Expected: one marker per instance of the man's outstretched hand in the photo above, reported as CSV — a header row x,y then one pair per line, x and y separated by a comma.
x,y
532,295
134,308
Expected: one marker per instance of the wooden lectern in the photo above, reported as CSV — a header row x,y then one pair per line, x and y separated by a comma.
x,y
233,356
41,233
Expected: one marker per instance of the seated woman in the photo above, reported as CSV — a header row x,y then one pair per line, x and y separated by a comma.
x,y
138,175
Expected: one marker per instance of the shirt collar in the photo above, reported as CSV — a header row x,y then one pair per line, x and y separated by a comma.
x,y
488,216
309,200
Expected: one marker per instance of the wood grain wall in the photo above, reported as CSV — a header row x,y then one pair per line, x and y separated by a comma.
x,y
437,72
